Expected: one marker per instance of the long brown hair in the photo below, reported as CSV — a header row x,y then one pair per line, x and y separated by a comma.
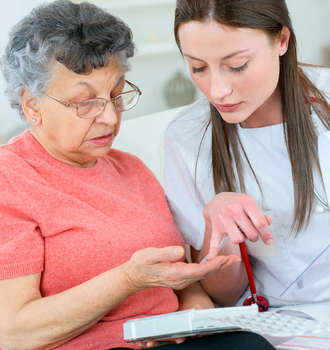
x,y
296,89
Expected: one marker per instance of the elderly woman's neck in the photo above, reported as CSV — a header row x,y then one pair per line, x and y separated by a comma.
x,y
78,162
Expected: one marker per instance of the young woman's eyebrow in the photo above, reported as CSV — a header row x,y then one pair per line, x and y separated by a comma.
x,y
222,59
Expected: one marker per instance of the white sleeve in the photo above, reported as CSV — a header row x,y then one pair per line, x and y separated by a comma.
x,y
182,194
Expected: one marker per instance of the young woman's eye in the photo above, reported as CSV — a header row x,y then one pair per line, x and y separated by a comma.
x,y
197,70
238,69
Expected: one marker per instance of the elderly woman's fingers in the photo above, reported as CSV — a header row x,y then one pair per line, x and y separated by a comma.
x,y
153,255
158,267
153,344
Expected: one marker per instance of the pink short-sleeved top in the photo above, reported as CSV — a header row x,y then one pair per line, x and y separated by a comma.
x,y
73,223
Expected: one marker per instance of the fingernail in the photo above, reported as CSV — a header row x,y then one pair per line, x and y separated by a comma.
x,y
270,241
178,251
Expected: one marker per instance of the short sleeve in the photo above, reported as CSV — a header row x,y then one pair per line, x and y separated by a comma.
x,y
21,243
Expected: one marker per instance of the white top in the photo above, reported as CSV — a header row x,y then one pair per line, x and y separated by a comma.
x,y
324,147
275,267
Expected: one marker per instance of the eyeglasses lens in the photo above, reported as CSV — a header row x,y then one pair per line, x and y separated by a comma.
x,y
127,100
93,108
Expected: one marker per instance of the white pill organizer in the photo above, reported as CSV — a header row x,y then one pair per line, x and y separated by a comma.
x,y
229,319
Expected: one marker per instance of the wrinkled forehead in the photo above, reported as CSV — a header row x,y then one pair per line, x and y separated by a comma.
x,y
97,81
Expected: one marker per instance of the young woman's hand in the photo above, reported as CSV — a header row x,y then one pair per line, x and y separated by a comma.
x,y
238,216
160,267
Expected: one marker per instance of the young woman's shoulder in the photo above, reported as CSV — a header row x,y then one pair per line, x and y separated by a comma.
x,y
200,108
319,76
190,120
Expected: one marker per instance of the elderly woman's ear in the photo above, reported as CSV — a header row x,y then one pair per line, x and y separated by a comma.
x,y
30,108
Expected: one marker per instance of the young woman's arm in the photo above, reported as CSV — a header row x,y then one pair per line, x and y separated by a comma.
x,y
226,286
195,297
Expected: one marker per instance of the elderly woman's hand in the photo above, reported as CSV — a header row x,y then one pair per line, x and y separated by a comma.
x,y
159,267
238,216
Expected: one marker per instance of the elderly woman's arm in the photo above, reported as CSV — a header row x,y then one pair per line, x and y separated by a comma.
x,y
30,321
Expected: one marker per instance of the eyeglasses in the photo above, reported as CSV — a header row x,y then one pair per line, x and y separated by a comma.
x,y
92,108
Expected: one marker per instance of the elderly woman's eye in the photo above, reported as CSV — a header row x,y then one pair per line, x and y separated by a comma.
x,y
87,106
84,103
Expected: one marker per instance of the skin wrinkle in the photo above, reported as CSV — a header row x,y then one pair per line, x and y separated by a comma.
x,y
60,134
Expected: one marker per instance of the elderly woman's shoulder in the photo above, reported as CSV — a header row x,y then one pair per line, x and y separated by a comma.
x,y
9,151
13,167
20,155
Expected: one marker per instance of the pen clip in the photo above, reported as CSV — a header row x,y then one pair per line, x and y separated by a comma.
x,y
223,241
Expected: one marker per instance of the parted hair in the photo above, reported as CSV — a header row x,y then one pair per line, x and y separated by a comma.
x,y
82,37
300,135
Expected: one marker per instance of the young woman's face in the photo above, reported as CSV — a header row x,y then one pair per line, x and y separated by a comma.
x,y
237,69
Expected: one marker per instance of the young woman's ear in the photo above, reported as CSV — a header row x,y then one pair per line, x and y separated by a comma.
x,y
30,108
284,40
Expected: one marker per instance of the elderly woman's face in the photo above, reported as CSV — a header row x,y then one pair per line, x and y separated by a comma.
x,y
62,133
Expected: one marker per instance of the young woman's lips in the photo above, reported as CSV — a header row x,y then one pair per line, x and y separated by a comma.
x,y
227,108
103,140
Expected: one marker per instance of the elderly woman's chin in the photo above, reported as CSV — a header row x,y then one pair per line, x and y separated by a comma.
x,y
103,146
87,157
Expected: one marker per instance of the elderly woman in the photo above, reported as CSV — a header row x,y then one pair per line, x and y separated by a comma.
x,y
86,240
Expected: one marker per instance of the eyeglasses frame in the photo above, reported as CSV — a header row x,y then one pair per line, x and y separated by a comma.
x,y
113,99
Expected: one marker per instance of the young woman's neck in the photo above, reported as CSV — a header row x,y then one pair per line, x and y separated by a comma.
x,y
269,113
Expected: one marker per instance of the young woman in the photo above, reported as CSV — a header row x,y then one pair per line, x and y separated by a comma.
x,y
242,161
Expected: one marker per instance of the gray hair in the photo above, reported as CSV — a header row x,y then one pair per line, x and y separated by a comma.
x,y
82,37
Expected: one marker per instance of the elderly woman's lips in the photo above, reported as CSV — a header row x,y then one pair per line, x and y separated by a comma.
x,y
103,140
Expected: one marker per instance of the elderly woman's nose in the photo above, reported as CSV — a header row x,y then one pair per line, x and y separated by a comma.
x,y
109,115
